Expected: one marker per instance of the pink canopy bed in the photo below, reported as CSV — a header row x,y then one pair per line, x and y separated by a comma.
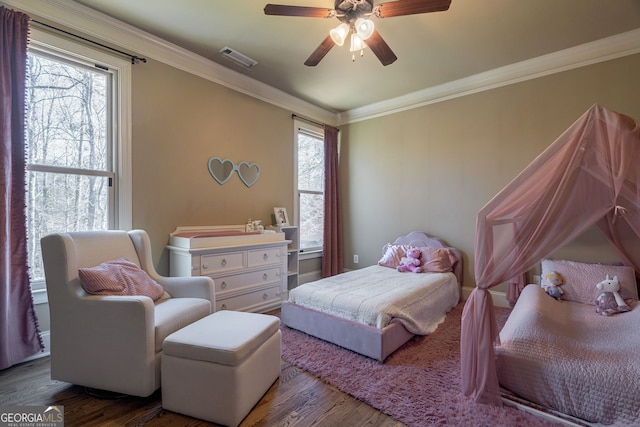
x,y
588,176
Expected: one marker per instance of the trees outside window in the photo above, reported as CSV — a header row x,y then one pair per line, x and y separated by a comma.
x,y
68,167
310,186
74,147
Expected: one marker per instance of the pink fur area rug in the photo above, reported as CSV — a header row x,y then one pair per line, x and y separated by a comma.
x,y
418,385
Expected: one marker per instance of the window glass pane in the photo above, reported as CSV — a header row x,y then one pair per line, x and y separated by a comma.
x,y
310,162
66,114
311,220
60,202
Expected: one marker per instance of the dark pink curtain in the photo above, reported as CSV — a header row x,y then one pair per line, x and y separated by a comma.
x,y
332,247
19,336
589,175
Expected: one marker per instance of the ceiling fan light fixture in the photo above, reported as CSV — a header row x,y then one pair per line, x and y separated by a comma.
x,y
364,28
356,43
339,34
354,16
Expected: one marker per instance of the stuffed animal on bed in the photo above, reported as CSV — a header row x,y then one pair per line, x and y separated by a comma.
x,y
411,261
551,284
609,301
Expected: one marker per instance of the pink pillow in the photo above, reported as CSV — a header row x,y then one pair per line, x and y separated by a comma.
x,y
119,277
434,260
393,254
581,279
437,260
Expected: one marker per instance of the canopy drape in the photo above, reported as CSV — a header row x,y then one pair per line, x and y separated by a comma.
x,y
589,175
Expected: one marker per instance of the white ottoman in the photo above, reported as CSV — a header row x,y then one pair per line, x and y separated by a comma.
x,y
219,367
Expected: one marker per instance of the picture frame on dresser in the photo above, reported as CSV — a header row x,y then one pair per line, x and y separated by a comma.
x,y
282,219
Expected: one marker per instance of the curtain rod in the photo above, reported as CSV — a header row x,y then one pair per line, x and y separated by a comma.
x,y
134,58
295,116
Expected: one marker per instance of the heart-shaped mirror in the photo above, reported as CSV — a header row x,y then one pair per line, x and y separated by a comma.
x,y
248,173
221,170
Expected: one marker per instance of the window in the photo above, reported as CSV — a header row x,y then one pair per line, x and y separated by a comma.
x,y
77,155
310,186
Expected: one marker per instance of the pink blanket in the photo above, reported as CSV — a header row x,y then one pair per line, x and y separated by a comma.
x,y
564,356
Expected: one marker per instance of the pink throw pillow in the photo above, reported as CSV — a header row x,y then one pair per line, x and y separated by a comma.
x,y
581,279
437,260
119,277
393,255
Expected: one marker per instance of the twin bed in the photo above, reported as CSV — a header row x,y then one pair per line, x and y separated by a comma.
x,y
566,357
375,310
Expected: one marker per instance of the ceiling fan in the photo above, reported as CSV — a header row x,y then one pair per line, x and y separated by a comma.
x,y
354,16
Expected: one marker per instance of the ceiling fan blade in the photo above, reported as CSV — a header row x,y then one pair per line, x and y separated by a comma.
x,y
311,12
380,48
320,52
411,7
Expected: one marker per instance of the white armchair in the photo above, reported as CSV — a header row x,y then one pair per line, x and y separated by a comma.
x,y
113,343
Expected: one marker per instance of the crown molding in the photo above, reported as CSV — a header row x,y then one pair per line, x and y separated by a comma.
x,y
617,46
80,18
108,30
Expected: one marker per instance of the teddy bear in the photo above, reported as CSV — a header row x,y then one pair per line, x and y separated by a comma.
x,y
551,284
411,261
609,301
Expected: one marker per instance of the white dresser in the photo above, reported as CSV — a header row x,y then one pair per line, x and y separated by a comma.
x,y
249,269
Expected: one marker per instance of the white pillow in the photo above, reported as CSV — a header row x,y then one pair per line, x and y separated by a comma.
x,y
393,255
581,279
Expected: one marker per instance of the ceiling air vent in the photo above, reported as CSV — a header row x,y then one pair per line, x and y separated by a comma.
x,y
238,58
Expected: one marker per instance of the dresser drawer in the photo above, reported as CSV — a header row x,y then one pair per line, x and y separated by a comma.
x,y
258,257
218,263
253,301
239,281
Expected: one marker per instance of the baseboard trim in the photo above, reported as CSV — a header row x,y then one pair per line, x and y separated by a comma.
x,y
499,298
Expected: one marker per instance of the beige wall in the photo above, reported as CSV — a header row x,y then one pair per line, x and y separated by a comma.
x,y
179,122
432,168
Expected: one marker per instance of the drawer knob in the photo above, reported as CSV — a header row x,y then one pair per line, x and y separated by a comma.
x,y
265,276
205,266
265,257
223,262
265,296
223,307
194,267
223,285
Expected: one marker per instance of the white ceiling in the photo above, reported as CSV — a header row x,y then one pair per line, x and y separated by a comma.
x,y
472,37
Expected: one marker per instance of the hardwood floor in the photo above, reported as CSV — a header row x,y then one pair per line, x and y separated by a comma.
x,y
295,399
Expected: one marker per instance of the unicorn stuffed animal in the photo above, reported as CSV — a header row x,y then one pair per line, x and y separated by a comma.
x,y
609,301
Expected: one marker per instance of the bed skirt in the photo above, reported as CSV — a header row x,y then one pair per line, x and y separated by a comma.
x,y
363,339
